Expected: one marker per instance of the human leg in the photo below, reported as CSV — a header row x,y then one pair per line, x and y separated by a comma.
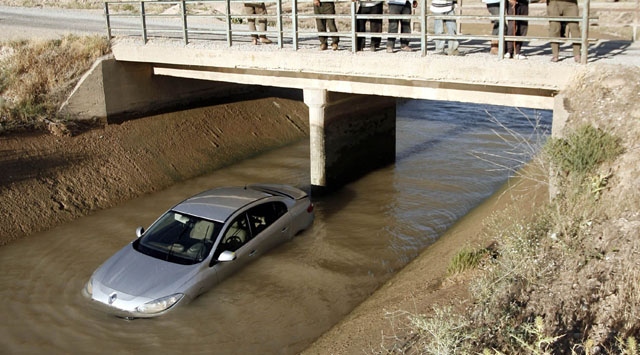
x,y
522,27
248,9
405,25
361,26
394,9
376,25
261,9
438,28
320,26
451,30
329,8
511,27
573,29
553,10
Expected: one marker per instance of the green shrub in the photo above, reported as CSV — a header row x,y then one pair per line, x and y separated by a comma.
x,y
583,150
465,260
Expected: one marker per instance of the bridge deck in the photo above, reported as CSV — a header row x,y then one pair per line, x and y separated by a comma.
x,y
475,76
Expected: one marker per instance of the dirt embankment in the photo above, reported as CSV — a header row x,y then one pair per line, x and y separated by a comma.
x,y
49,179
603,96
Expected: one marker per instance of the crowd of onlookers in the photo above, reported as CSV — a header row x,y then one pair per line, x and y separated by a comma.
x,y
513,49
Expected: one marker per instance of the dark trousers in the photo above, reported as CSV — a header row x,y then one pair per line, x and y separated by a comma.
x,y
405,25
517,28
326,8
375,25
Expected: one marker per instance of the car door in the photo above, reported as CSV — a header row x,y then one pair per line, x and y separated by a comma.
x,y
234,239
270,225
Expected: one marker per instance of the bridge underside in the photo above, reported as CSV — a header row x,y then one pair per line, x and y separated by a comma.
x,y
351,99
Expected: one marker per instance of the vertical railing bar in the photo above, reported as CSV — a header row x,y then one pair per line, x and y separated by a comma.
x,y
584,50
185,36
107,19
228,19
294,23
354,37
501,22
423,28
279,23
144,23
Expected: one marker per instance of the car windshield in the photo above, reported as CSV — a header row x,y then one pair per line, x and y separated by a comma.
x,y
179,238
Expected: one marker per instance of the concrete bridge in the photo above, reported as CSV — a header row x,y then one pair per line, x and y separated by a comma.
x,y
351,96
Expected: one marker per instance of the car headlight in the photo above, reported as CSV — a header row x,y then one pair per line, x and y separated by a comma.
x,y
159,305
88,288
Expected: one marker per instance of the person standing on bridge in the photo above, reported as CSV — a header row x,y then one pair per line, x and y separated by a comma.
x,y
400,7
445,7
327,7
257,9
567,8
375,25
517,27
493,6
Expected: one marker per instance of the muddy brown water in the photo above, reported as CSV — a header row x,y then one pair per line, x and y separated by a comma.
x,y
449,158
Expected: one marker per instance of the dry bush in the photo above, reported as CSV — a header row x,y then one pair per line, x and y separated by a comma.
x,y
37,76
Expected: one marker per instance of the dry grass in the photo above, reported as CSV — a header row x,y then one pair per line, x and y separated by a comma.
x,y
565,280
37,76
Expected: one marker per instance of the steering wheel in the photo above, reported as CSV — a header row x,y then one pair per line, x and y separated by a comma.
x,y
233,242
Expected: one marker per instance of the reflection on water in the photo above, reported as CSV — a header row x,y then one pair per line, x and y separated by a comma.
x,y
449,158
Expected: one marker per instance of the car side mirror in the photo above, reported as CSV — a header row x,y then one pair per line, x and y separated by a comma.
x,y
139,232
227,256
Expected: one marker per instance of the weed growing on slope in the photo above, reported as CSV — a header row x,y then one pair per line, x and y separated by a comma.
x,y
558,281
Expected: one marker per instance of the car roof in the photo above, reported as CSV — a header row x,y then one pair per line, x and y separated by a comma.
x,y
220,203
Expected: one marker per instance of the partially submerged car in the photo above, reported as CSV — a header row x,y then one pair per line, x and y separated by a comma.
x,y
195,245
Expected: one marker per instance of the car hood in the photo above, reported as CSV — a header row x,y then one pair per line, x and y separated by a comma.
x,y
140,275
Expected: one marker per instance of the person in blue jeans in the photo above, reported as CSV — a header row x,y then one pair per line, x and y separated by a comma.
x,y
445,7
400,7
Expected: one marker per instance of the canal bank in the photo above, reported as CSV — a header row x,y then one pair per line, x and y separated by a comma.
x,y
52,179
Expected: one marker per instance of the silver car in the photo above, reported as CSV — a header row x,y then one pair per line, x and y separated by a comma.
x,y
195,245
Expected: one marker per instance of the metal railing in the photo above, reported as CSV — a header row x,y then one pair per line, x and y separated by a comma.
x,y
133,18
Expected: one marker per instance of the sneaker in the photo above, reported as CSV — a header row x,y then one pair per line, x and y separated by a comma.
x,y
254,41
389,49
508,56
439,52
520,57
406,48
334,46
265,40
323,46
554,59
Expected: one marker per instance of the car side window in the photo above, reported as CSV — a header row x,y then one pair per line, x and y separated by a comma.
x,y
237,234
262,216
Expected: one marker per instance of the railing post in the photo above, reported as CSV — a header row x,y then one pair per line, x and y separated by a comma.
x,y
501,32
354,37
183,6
107,19
423,28
294,23
228,18
143,22
279,22
584,50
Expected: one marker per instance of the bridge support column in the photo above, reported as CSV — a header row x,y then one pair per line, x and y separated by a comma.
x,y
350,135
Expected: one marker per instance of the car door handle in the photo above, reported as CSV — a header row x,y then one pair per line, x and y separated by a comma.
x,y
285,229
252,253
